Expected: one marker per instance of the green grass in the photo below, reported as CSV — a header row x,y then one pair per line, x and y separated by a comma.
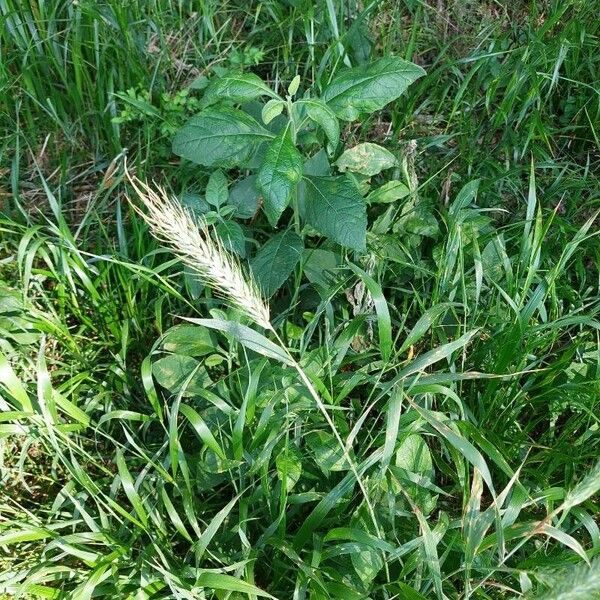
x,y
477,438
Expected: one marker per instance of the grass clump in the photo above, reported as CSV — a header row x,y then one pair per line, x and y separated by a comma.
x,y
400,402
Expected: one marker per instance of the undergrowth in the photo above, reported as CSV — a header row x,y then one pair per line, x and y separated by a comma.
x,y
417,417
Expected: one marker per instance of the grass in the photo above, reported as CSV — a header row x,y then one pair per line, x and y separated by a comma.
x,y
457,360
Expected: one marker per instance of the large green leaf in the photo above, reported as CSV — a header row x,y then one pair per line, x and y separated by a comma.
x,y
239,87
413,469
223,137
320,266
289,467
335,208
389,192
275,261
327,451
369,87
279,175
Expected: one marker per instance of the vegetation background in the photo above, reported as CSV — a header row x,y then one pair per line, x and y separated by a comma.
x,y
477,437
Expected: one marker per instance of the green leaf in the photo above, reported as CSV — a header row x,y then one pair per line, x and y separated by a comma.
x,y
320,266
273,108
200,83
413,455
584,489
237,87
389,192
171,372
279,175
370,87
465,197
317,165
329,501
209,533
216,189
245,197
232,236
408,593
323,116
422,326
367,159
294,85
289,467
414,469
335,208
188,340
195,203
563,538
29,533
328,454
12,384
129,488
202,430
429,358
219,581
460,443
275,261
367,563
224,137
246,337
418,220
384,321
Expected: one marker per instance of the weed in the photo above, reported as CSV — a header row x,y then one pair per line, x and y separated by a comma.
x,y
415,413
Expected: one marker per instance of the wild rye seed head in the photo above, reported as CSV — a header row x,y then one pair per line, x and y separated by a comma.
x,y
190,239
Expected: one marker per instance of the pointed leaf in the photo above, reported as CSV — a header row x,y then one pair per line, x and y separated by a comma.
x,y
247,337
245,197
275,261
188,340
389,192
232,236
13,385
384,321
219,581
323,116
238,87
279,175
335,208
289,467
201,429
212,528
294,85
216,189
223,137
273,108
369,87
172,372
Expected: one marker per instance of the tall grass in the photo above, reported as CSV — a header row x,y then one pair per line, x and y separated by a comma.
x,y
154,446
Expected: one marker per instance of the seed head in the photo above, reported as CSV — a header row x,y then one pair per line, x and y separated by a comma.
x,y
191,240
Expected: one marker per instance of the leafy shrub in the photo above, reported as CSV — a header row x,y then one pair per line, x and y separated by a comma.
x,y
295,159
